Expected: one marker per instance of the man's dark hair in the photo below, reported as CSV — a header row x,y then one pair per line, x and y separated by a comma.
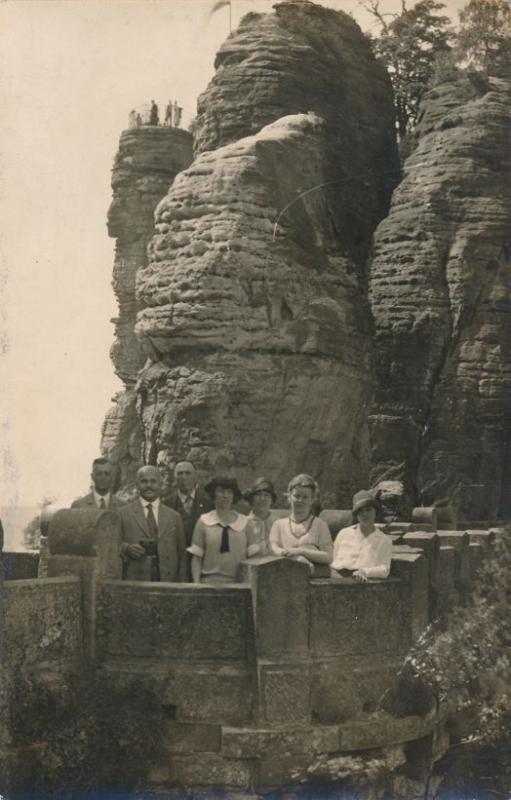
x,y
101,460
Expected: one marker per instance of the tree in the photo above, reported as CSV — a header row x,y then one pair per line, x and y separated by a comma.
x,y
408,45
484,38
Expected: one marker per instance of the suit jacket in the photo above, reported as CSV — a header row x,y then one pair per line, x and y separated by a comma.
x,y
89,502
202,503
171,543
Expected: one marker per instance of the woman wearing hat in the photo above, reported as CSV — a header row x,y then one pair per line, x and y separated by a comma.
x,y
219,540
302,536
362,551
261,497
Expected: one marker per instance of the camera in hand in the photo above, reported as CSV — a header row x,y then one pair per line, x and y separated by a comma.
x,y
149,546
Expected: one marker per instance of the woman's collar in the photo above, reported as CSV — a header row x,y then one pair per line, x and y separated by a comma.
x,y
211,518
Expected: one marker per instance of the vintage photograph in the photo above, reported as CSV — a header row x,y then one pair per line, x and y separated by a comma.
x,y
255,343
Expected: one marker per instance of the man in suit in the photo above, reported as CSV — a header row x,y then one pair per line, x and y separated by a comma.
x,y
153,541
101,496
188,499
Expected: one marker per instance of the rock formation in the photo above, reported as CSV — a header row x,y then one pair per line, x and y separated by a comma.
x,y
253,306
145,166
440,295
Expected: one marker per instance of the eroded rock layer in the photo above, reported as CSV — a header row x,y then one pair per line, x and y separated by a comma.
x,y
260,334
308,58
146,163
440,294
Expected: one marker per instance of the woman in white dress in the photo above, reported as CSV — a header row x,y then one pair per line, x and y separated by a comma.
x,y
302,536
219,540
362,551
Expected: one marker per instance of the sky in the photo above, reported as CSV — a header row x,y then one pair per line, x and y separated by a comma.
x,y
70,71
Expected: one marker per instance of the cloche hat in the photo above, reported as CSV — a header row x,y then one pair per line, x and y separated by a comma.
x,y
362,499
224,483
261,485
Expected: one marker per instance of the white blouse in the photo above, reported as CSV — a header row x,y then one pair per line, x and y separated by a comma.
x,y
372,554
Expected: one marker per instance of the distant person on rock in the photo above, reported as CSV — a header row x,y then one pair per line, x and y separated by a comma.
x,y
139,121
362,551
219,541
101,497
302,536
153,539
168,114
153,115
177,112
133,119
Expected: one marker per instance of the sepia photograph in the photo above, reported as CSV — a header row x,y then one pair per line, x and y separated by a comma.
x,y
255,409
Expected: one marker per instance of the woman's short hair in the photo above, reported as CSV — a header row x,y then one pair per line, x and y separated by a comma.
x,y
305,481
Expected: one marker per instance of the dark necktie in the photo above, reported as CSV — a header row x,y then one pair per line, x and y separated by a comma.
x,y
224,546
152,527
102,503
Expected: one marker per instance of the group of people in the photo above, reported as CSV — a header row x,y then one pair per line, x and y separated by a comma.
x,y
197,534
173,114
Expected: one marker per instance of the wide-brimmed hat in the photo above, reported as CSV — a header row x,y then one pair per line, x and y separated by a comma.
x,y
261,485
224,483
362,499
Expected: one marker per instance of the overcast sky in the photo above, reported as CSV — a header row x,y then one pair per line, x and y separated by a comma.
x,y
70,71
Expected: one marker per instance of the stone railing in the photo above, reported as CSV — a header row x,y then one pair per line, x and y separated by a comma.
x,y
261,684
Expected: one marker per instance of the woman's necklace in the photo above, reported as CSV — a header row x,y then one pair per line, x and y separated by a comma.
x,y
309,526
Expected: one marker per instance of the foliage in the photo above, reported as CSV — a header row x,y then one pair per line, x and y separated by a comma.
x,y
32,530
88,728
484,38
408,46
464,662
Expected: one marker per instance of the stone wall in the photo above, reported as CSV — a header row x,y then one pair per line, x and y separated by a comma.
x,y
272,682
440,296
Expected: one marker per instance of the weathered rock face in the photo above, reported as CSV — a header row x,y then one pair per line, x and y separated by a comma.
x,y
145,166
440,295
253,304
146,163
308,58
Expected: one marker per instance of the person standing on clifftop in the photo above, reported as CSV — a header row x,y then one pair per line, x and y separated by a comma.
x,y
154,118
176,114
168,114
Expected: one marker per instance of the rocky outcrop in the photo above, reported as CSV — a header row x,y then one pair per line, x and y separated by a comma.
x,y
146,163
440,296
308,58
253,305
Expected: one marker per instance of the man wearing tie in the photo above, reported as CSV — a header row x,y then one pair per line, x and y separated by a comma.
x,y
101,496
188,499
153,541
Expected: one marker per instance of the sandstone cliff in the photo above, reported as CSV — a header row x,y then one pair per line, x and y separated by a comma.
x,y
253,306
440,295
145,165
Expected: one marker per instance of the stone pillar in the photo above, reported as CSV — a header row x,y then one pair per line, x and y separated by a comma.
x,y
85,543
460,541
429,543
280,599
412,568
